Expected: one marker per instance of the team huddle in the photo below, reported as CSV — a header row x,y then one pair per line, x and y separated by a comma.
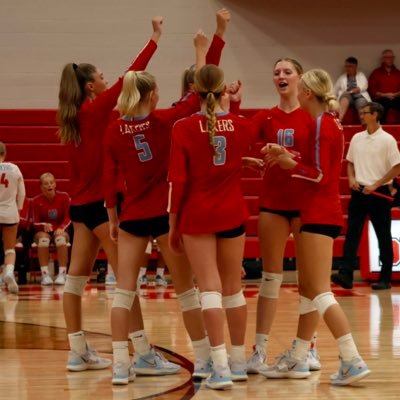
x,y
179,170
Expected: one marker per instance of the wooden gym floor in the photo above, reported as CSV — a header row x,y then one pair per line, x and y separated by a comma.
x,y
33,347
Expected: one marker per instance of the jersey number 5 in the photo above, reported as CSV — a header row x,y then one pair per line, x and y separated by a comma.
x,y
286,137
220,150
4,180
143,148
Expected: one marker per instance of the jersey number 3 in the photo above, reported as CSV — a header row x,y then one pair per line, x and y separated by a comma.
x,y
143,148
3,180
220,150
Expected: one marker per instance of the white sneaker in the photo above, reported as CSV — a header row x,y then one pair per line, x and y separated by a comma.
x,y
202,368
89,360
350,372
313,359
160,281
110,279
60,280
154,363
238,371
142,281
9,280
122,374
256,361
287,367
46,280
220,379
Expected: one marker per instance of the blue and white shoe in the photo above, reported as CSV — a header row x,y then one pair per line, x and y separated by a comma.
x,y
154,363
89,360
350,372
202,368
220,378
287,367
110,279
313,360
142,281
160,281
238,371
122,374
257,361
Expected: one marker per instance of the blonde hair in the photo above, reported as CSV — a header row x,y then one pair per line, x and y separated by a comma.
x,y
188,78
70,98
2,149
46,175
136,88
320,83
209,83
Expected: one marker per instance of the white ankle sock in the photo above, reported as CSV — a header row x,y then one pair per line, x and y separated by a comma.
x,y
140,342
77,342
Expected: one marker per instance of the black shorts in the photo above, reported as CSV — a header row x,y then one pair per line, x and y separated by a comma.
x,y
231,233
91,214
153,227
333,231
7,225
288,214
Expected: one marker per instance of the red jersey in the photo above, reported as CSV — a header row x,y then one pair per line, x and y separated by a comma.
x,y
139,149
383,81
86,157
53,211
319,172
211,199
291,130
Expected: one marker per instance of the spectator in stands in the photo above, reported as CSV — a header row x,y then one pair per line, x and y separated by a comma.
x,y
50,218
351,88
321,222
12,195
373,161
159,280
384,84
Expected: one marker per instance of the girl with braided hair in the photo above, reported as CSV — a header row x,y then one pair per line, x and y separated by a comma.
x,y
207,213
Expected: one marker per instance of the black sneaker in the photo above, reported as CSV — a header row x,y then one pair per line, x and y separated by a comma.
x,y
343,280
381,285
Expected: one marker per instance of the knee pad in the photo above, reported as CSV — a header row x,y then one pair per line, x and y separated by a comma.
x,y
75,285
210,300
323,301
236,300
60,241
43,242
123,298
306,306
189,300
9,251
270,285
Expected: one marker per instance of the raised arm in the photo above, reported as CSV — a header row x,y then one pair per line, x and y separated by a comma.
x,y
217,44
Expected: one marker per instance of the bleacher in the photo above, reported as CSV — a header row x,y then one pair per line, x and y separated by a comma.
x,y
32,144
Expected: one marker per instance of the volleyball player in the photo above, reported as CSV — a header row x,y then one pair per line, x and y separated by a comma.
x,y
12,195
318,170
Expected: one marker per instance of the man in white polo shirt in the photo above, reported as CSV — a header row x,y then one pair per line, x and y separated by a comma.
x,y
373,161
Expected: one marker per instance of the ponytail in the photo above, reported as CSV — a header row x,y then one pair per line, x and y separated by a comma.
x,y
136,87
70,98
211,118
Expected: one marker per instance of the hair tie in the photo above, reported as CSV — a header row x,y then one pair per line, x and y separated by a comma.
x,y
75,66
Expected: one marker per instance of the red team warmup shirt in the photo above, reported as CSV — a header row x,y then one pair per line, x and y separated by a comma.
x,y
291,130
319,172
140,149
53,211
212,199
86,157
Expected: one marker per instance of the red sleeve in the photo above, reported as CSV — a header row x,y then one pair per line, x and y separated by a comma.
x,y
37,224
186,106
65,207
320,157
213,55
373,83
177,169
107,100
111,172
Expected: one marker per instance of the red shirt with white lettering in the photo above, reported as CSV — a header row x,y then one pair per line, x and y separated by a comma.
x,y
212,199
139,149
291,130
86,156
319,172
